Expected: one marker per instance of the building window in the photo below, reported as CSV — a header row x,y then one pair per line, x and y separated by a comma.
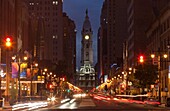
x,y
87,70
168,23
87,83
87,46
87,54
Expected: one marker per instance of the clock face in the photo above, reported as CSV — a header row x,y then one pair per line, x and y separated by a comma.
x,y
86,37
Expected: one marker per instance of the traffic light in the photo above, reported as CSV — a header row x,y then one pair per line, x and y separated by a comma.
x,y
141,59
50,86
8,42
68,90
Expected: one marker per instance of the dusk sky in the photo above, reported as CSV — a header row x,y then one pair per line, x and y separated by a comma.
x,y
75,9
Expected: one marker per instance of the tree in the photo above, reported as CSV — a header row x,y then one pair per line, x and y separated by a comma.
x,y
146,74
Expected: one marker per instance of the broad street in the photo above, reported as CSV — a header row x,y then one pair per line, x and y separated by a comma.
x,y
96,104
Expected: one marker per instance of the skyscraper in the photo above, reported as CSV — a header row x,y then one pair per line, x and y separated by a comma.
x,y
69,43
112,33
49,12
158,40
140,15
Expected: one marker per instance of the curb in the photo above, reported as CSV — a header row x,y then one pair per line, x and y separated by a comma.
x,y
162,105
6,109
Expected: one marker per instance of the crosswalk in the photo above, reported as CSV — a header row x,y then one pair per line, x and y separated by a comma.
x,y
87,102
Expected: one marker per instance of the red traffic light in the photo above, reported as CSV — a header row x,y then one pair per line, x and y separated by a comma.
x,y
50,86
141,59
8,41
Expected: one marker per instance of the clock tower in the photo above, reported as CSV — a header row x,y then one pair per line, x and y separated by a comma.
x,y
86,51
86,78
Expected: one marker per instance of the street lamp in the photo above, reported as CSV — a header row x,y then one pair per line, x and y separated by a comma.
x,y
42,73
159,72
128,72
19,62
45,69
32,65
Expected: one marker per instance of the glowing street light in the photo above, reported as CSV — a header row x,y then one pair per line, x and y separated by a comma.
x,y
165,56
45,69
8,42
19,62
152,56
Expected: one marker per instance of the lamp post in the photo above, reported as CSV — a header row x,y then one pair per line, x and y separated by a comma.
x,y
0,75
32,65
19,62
168,90
159,71
45,70
128,72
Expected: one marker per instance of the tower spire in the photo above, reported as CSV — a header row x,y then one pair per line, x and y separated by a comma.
x,y
86,12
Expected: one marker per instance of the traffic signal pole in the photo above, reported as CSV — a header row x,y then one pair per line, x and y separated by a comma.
x,y
7,77
0,75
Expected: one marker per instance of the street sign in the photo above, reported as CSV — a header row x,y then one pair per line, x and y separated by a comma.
x,y
166,89
155,61
156,87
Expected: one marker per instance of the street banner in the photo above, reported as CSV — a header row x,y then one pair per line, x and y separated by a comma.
x,y
155,61
23,69
15,69
28,73
23,74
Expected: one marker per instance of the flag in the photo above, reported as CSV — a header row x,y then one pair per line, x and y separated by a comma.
x,y
15,69
28,73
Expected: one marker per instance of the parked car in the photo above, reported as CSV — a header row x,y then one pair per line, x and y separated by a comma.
x,y
152,101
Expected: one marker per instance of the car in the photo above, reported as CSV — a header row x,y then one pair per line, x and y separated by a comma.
x,y
152,101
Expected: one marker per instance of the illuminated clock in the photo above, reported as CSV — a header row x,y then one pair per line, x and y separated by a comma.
x,y
86,37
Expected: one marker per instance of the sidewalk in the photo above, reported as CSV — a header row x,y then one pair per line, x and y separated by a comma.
x,y
6,107
162,105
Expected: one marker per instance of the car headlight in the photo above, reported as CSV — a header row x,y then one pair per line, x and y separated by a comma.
x,y
53,99
48,99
